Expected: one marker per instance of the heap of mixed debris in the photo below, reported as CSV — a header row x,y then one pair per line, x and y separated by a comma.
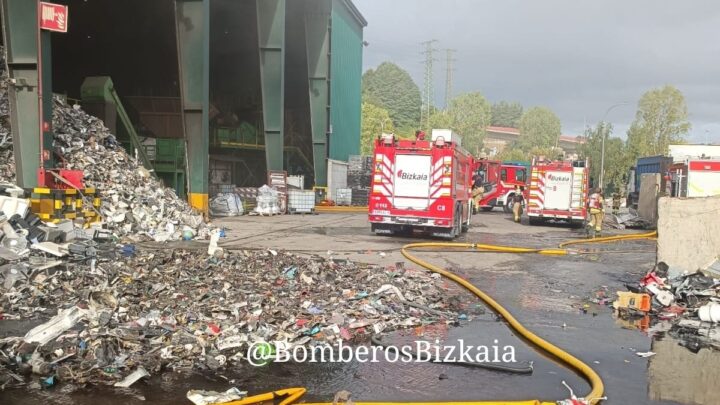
x,y
121,311
687,305
108,313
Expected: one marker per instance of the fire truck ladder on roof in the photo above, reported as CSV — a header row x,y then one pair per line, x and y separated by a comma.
x,y
578,185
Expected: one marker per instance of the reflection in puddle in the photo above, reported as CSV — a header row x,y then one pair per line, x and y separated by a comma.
x,y
677,374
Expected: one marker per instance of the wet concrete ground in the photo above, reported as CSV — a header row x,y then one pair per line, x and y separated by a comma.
x,y
545,293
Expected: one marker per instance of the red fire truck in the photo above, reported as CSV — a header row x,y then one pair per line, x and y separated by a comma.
x,y
499,181
421,185
558,190
694,177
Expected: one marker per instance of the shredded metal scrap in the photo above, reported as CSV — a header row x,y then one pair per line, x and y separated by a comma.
x,y
134,202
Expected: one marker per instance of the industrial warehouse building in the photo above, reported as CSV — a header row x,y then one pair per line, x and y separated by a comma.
x,y
208,92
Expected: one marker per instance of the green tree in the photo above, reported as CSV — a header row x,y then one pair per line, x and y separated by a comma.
x,y
469,115
539,128
390,87
506,114
375,120
616,160
661,119
442,119
512,155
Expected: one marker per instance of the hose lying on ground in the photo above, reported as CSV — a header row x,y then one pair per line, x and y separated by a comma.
x,y
375,339
290,395
588,373
615,238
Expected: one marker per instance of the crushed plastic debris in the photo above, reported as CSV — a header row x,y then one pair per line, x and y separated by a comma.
x,y
182,309
199,397
687,306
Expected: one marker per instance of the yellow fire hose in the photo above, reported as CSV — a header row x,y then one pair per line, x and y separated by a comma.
x,y
290,395
633,236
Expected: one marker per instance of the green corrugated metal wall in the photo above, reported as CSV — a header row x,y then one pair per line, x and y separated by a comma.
x,y
346,74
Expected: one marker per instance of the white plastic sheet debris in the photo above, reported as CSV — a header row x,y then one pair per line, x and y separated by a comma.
x,y
392,288
213,248
199,397
133,377
14,206
50,330
51,248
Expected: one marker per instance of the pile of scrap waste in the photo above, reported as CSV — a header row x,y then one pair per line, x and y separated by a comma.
x,y
134,202
123,313
107,302
686,306
626,220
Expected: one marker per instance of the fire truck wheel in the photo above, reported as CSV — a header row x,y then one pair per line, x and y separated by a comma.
x,y
487,209
457,222
466,224
535,220
507,207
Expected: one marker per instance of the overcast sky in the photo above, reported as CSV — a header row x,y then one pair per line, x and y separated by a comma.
x,y
577,57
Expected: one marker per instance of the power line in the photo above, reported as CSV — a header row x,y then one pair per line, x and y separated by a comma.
x,y
449,76
428,51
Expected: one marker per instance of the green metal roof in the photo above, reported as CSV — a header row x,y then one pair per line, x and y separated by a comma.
x,y
355,12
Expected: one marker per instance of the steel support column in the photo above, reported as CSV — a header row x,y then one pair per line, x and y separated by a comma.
x,y
271,38
47,99
192,18
20,38
317,38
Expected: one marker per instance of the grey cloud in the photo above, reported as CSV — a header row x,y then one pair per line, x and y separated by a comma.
x,y
576,57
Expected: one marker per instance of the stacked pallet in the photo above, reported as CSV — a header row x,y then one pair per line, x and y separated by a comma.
x,y
359,197
277,179
359,178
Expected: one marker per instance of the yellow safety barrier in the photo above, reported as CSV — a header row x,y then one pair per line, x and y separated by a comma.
x,y
339,208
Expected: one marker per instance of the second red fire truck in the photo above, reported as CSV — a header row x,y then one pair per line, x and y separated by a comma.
x,y
499,181
558,190
421,185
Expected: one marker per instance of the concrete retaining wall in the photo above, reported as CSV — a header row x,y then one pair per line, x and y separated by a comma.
x,y
688,233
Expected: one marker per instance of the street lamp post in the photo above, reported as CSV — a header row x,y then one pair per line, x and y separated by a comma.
x,y
604,135
382,125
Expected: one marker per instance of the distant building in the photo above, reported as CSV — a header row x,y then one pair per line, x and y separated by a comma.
x,y
498,138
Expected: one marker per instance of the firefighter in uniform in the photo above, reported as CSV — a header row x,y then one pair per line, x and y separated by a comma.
x,y
616,202
518,200
595,206
477,190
